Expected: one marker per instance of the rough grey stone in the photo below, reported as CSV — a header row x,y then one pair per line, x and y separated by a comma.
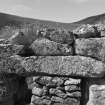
x,y
4,41
71,101
47,47
72,81
64,65
37,91
93,47
74,94
36,78
58,81
96,95
57,92
60,36
72,88
9,50
57,99
86,31
40,101
32,85
44,80
102,33
33,98
100,27
7,64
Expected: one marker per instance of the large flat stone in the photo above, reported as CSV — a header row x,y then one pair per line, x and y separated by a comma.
x,y
64,65
94,47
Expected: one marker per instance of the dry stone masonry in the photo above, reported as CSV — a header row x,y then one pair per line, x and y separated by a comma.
x,y
54,67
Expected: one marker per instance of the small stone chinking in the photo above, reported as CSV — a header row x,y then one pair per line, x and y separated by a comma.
x,y
54,67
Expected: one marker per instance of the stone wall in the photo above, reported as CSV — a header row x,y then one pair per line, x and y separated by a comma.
x,y
55,91
58,68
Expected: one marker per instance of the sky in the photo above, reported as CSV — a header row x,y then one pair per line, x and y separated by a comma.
x,y
66,11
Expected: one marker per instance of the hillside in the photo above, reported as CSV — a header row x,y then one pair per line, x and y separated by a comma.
x,y
92,20
7,19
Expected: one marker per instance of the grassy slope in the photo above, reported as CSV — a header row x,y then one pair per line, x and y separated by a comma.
x,y
92,20
6,19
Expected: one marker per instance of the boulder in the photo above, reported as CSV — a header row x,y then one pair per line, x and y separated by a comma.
x,y
64,65
60,36
47,47
86,31
96,95
93,47
7,64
